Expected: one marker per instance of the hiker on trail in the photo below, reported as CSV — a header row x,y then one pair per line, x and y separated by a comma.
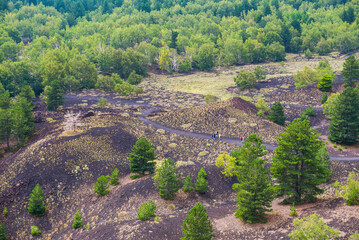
x,y
219,136
217,133
241,139
212,136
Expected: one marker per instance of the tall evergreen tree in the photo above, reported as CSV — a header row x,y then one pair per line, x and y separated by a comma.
x,y
142,157
344,122
36,206
296,166
350,70
54,96
5,100
197,225
3,232
254,190
324,98
167,179
276,114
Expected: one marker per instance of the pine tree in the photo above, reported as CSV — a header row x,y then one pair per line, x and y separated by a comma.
x,y
325,84
324,98
6,125
5,100
77,220
114,177
167,179
101,186
276,114
54,96
187,184
142,157
344,122
3,232
295,164
202,183
36,206
350,70
197,225
28,93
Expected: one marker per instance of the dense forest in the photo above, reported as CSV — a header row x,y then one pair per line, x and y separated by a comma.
x,y
69,41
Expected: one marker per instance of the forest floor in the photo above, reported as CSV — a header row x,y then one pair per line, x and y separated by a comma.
x,y
67,165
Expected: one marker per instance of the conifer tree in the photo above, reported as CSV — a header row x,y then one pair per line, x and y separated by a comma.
x,y
114,177
325,84
101,186
6,126
254,190
167,179
36,206
296,166
344,122
3,232
276,114
202,183
187,184
54,96
77,220
142,157
197,225
27,93
350,70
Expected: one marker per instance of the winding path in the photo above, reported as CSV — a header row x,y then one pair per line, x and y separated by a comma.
x,y
148,109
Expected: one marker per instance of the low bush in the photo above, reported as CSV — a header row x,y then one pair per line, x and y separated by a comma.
x,y
133,177
209,98
293,210
146,211
350,191
35,231
102,102
77,220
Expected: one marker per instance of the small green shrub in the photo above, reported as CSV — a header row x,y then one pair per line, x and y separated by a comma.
x,y
340,148
245,80
138,91
114,177
133,177
259,72
202,183
185,67
77,220
261,105
354,236
134,78
350,191
324,98
335,145
157,219
309,112
146,211
345,147
308,54
312,227
260,113
293,210
101,186
3,232
209,98
35,231
88,226
125,89
5,211
187,184
102,102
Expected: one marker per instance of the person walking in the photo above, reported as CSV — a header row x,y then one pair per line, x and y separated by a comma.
x,y
212,136
219,136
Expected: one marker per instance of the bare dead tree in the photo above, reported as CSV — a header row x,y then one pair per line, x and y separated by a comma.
x,y
72,121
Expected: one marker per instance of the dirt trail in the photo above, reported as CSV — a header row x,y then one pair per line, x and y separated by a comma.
x,y
148,109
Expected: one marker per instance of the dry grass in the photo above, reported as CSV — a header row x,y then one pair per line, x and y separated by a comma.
x,y
218,81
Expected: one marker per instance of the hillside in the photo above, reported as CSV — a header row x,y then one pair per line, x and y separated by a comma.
x,y
234,117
